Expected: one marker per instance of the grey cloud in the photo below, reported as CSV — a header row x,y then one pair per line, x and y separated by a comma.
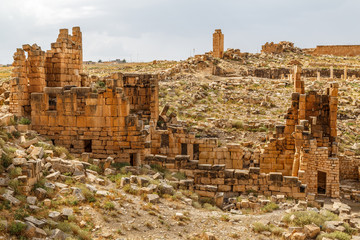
x,y
168,29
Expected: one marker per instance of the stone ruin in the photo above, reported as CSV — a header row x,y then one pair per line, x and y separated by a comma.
x,y
307,145
50,89
336,50
218,44
277,48
121,120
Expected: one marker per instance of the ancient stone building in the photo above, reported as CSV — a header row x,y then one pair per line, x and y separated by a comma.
x,y
50,89
218,44
280,47
120,118
307,145
337,50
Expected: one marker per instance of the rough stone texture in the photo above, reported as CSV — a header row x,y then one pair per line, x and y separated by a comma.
x,y
218,44
337,50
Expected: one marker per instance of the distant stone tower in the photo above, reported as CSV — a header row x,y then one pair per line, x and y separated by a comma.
x,y
218,44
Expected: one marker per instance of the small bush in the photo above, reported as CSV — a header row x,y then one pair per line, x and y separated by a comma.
x,y
5,160
225,218
128,189
270,207
109,206
196,205
17,228
335,235
101,84
20,214
89,196
303,218
210,207
16,134
158,168
15,172
14,184
24,121
119,165
259,227
237,124
180,175
95,168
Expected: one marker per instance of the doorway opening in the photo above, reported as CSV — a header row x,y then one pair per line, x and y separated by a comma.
x,y
88,146
183,149
321,182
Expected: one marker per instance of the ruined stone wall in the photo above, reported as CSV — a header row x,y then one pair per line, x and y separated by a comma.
x,y
64,61
218,44
349,167
61,66
28,77
280,73
314,160
175,141
337,50
211,179
64,106
142,92
277,48
310,120
85,121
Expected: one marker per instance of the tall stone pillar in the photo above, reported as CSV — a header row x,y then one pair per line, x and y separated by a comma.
x,y
218,44
331,72
299,86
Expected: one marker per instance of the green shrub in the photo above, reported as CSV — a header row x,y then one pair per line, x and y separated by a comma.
x,y
17,228
89,196
101,84
210,207
259,227
303,218
74,229
24,121
5,160
16,134
335,235
237,124
109,206
95,168
119,165
158,168
128,189
14,184
20,214
15,172
179,175
270,207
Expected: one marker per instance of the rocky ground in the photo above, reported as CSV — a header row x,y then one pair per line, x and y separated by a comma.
x,y
78,199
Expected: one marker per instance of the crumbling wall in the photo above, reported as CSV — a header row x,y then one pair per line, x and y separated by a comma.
x,y
175,141
349,167
51,89
142,92
209,179
337,50
310,120
28,77
64,61
277,48
86,121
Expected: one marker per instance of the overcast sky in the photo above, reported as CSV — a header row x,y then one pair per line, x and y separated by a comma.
x,y
144,30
